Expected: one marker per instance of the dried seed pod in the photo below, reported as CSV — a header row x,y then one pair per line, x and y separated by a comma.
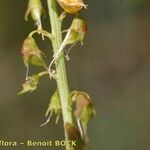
x,y
53,108
31,53
72,6
30,84
35,9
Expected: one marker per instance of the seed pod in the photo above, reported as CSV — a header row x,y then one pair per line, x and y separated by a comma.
x,y
31,53
74,34
84,112
78,29
53,108
84,107
35,9
30,84
72,6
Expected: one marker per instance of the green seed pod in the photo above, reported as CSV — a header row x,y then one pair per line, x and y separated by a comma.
x,y
31,53
35,9
53,108
84,107
84,112
74,34
78,29
30,84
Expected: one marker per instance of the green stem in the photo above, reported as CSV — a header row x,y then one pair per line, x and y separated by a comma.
x,y
43,73
43,32
61,77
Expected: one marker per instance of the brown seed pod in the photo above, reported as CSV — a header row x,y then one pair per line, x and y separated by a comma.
x,y
31,53
72,6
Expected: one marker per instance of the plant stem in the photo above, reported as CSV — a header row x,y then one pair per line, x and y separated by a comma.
x,y
61,77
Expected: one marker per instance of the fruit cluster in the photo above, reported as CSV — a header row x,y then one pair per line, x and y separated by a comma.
x,y
32,55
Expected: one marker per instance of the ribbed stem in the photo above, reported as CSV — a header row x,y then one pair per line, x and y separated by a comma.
x,y
61,77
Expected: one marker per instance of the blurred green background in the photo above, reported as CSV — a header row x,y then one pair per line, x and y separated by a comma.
x,y
113,66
